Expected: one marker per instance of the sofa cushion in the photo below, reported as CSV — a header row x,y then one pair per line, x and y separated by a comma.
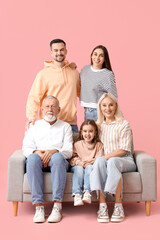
x,y
131,183
47,183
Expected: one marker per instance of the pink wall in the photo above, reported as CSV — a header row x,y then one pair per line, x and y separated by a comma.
x,y
130,31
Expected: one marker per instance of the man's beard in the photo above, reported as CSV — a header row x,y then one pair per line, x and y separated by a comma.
x,y
50,117
61,60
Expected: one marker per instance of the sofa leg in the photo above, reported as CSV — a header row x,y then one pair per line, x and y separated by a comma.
x,y
15,208
148,207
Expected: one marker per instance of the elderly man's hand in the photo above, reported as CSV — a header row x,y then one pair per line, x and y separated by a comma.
x,y
40,153
28,123
47,156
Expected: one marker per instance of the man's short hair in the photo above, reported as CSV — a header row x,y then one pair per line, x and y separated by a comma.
x,y
50,97
57,41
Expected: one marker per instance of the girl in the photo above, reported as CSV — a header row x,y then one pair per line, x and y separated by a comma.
x,y
85,150
96,79
107,170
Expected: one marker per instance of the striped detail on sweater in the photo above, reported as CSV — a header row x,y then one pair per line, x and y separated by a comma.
x,y
116,136
94,84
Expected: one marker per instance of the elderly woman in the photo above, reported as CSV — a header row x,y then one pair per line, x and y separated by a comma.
x,y
116,135
96,79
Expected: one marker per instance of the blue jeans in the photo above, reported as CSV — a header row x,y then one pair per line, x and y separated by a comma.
x,y
106,174
58,168
74,128
90,113
81,177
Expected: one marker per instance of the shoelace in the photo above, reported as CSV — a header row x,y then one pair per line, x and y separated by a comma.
x,y
78,197
118,210
87,194
56,209
102,211
39,210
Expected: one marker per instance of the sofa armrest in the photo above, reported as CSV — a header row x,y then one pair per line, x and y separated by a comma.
x,y
147,167
16,168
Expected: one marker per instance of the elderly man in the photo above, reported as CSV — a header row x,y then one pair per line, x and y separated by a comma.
x,y
47,144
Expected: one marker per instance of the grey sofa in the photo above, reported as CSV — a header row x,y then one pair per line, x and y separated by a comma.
x,y
137,186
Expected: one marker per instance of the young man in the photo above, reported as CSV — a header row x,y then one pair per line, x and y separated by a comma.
x,y
46,145
59,80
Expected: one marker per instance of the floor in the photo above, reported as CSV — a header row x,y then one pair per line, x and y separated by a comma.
x,y
78,222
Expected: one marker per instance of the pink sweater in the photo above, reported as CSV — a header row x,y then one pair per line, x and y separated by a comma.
x,y
84,156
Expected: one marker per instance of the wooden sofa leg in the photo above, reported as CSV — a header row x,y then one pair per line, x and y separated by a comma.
x,y
148,207
15,208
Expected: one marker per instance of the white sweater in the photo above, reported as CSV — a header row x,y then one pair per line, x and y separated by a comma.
x,y
43,136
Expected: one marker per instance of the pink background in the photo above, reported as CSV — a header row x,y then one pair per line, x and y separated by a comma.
x,y
130,31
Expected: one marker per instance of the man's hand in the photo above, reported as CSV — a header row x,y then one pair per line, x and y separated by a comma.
x,y
28,123
40,153
73,65
47,156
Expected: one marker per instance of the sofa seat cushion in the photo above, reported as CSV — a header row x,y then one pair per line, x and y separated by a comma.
x,y
47,183
131,183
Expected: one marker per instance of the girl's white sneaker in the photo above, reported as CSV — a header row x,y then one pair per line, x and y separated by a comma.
x,y
78,200
87,197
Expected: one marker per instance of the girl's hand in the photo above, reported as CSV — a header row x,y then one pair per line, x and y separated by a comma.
x,y
80,163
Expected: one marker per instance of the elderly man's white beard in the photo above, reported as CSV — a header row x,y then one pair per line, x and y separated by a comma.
x,y
49,117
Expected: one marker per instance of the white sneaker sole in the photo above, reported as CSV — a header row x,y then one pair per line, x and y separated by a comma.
x,y
78,204
39,221
103,220
114,220
86,201
54,220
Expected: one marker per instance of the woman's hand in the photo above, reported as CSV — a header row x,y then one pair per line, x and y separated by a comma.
x,y
116,153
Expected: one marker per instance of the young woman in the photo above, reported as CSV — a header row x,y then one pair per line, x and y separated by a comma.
x,y
96,79
116,135
85,150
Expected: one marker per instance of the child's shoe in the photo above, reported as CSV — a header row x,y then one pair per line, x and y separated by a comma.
x,y
78,200
87,197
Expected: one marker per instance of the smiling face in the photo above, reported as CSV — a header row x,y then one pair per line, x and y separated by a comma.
x,y
88,133
97,58
50,109
58,52
108,108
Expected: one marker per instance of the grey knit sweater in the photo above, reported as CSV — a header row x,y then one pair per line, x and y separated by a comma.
x,y
94,83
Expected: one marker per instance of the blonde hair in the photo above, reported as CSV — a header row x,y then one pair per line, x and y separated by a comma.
x,y
118,114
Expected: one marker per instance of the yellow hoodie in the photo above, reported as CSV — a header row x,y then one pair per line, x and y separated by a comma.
x,y
63,83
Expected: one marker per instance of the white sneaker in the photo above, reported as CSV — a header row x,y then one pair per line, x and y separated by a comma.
x,y
118,214
87,197
78,200
39,216
103,216
55,216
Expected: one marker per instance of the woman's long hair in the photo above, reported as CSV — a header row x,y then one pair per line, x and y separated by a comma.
x,y
106,63
118,114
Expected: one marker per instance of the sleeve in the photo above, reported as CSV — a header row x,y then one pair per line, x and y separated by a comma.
x,y
100,150
67,148
36,94
126,137
109,85
75,159
29,144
